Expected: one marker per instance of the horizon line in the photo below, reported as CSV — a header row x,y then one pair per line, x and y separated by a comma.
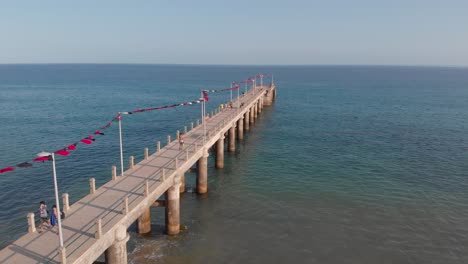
x,y
245,65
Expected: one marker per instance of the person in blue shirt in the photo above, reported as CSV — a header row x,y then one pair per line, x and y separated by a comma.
x,y
53,218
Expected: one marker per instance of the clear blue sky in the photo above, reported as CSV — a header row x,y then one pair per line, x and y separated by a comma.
x,y
403,32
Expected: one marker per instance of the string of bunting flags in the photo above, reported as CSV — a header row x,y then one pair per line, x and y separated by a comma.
x,y
235,87
91,138
99,132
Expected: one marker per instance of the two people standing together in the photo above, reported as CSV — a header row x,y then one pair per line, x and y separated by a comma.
x,y
45,220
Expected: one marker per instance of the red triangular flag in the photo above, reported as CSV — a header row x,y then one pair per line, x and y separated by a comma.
x,y
205,95
7,169
62,152
86,141
72,147
44,158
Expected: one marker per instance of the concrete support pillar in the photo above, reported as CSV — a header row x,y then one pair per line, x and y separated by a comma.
x,y
144,222
182,182
251,118
117,253
232,139
259,105
173,210
220,153
247,121
255,110
240,128
202,173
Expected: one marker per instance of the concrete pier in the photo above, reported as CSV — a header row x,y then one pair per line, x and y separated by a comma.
x,y
240,128
97,223
202,173
173,209
251,117
144,221
247,121
269,96
232,139
117,252
255,111
182,182
220,153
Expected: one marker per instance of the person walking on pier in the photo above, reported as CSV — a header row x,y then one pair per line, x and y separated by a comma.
x,y
43,215
53,218
181,141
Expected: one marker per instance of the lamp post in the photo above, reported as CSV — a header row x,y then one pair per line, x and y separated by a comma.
x,y
203,115
57,203
254,84
246,82
121,145
238,98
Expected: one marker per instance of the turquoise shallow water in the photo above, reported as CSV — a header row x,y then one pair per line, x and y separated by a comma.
x,y
350,165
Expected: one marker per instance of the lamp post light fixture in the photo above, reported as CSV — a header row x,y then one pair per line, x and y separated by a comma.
x,y
57,203
120,140
203,114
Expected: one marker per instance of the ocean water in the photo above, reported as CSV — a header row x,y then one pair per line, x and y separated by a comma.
x,y
352,164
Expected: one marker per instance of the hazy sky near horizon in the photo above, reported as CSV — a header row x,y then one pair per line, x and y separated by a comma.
x,y
402,32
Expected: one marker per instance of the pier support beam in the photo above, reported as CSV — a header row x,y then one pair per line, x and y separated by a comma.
x,y
240,128
144,222
220,153
246,121
117,253
202,173
173,209
255,110
232,138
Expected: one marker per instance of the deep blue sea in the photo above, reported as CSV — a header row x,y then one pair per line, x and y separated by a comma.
x,y
352,164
